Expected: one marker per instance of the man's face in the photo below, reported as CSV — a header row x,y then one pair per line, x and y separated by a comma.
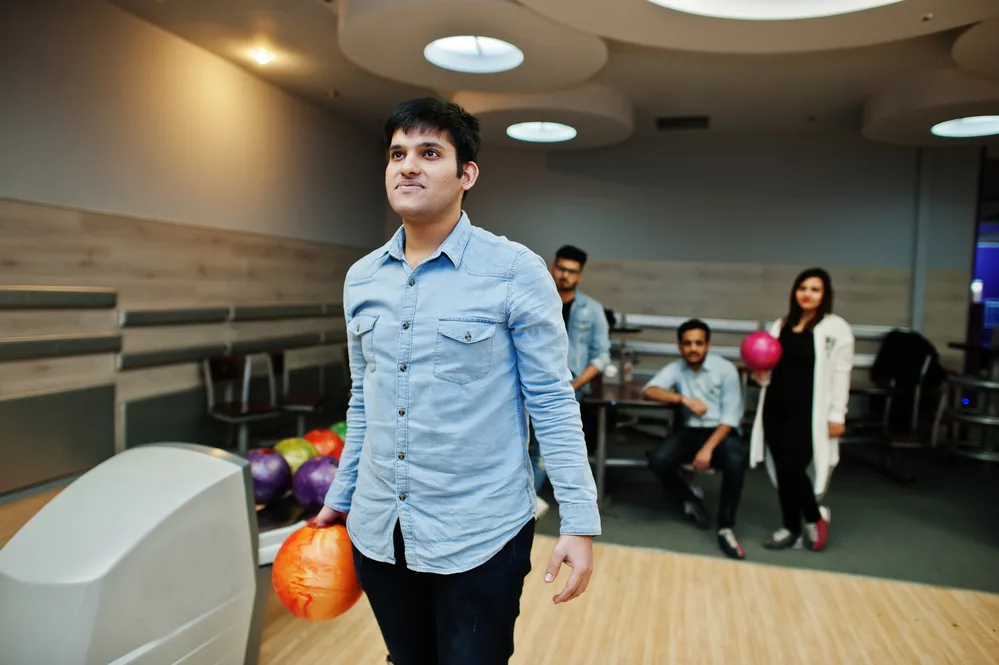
x,y
694,346
421,177
567,274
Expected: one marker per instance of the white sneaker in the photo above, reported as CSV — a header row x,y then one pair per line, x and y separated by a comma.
x,y
540,507
826,514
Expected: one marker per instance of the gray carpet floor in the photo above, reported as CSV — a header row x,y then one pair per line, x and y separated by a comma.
x,y
942,528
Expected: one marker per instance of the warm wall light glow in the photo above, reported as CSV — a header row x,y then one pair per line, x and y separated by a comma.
x,y
771,10
541,132
262,55
982,125
473,55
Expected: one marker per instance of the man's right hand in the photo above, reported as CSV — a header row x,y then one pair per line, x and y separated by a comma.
x,y
762,378
697,406
328,517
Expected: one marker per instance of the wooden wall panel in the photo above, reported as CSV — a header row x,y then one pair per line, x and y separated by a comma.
x,y
154,264
28,376
872,296
26,322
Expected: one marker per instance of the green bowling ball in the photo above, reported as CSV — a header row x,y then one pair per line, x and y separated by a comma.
x,y
296,452
341,429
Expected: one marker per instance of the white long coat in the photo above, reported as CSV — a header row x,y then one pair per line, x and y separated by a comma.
x,y
834,344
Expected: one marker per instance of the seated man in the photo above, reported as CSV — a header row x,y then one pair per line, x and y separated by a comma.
x,y
707,389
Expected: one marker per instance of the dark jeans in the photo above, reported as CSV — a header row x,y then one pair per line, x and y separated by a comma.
x,y
465,618
680,448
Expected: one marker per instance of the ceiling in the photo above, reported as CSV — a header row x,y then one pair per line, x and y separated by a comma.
x,y
612,67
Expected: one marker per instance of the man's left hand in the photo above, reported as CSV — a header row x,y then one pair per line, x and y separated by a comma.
x,y
836,430
577,553
703,460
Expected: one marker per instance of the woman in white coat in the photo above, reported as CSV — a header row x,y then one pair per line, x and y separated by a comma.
x,y
802,408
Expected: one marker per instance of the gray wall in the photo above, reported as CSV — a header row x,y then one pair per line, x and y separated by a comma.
x,y
103,111
833,200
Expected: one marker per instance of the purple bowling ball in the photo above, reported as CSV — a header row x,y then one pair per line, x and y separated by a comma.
x,y
271,475
312,481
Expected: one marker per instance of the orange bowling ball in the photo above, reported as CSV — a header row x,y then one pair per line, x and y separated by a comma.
x,y
313,573
326,441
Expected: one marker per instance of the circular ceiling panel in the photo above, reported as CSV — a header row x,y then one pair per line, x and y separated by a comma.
x,y
590,116
774,10
473,55
484,45
944,107
647,23
978,48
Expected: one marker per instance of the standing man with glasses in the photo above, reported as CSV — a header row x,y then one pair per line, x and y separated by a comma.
x,y
589,346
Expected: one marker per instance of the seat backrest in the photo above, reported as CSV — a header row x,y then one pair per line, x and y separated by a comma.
x,y
229,373
906,356
279,370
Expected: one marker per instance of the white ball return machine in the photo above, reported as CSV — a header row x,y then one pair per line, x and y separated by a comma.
x,y
153,557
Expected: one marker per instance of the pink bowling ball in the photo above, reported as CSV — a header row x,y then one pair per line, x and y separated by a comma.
x,y
760,351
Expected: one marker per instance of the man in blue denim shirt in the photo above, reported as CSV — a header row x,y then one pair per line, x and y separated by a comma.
x,y
589,345
452,333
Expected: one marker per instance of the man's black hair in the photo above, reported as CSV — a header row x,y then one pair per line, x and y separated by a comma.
x,y
435,115
693,324
570,253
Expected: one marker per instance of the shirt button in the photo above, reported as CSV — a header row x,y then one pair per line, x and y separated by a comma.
x,y
402,412
412,281
405,326
402,455
402,368
402,497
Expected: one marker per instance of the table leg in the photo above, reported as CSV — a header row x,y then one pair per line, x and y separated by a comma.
x,y
601,469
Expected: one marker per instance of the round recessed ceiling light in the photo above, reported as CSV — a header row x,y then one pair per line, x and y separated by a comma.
x,y
473,55
262,55
982,125
541,132
770,10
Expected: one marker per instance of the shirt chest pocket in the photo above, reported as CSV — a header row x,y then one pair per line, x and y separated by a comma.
x,y
464,350
362,329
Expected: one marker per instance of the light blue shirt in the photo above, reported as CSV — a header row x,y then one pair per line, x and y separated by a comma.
x,y
589,336
444,359
716,384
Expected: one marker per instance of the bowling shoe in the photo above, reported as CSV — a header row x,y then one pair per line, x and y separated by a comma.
x,y
729,545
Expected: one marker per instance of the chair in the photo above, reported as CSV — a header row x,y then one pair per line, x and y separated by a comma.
x,y
300,404
906,373
232,373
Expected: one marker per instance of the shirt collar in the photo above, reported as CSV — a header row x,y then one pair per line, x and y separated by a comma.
x,y
704,364
453,246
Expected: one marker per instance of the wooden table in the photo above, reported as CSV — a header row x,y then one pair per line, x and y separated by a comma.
x,y
603,396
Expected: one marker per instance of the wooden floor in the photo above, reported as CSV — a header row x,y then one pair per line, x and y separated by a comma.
x,y
647,607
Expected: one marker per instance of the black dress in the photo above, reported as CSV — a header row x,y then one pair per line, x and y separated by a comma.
x,y
787,426
787,411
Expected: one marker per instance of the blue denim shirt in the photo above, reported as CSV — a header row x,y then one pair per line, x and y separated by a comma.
x,y
589,336
717,385
446,361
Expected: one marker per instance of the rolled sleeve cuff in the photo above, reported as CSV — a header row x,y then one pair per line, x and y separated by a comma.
x,y
580,519
734,423
339,499
601,363
837,416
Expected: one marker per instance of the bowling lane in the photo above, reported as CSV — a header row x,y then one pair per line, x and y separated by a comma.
x,y
16,514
